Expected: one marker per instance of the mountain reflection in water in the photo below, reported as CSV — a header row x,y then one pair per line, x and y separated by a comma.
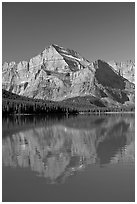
x,y
56,149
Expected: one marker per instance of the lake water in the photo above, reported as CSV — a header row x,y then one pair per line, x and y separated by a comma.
x,y
81,158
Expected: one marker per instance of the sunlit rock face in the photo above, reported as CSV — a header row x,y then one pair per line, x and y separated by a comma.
x,y
57,151
125,69
58,73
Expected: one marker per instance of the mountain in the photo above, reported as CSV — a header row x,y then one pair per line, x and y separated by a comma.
x,y
125,69
58,74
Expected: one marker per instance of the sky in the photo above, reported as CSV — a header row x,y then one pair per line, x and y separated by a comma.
x,y
96,30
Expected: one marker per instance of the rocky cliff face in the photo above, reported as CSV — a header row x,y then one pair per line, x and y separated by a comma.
x,y
58,73
125,69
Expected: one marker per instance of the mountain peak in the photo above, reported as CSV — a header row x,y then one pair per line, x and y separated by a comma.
x,y
59,73
55,45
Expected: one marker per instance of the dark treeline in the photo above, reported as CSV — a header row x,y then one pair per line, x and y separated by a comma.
x,y
23,107
15,104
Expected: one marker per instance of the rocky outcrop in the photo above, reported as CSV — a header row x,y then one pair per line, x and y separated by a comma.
x,y
125,69
58,150
57,74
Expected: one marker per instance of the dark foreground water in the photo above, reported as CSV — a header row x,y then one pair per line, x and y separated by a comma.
x,y
81,158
